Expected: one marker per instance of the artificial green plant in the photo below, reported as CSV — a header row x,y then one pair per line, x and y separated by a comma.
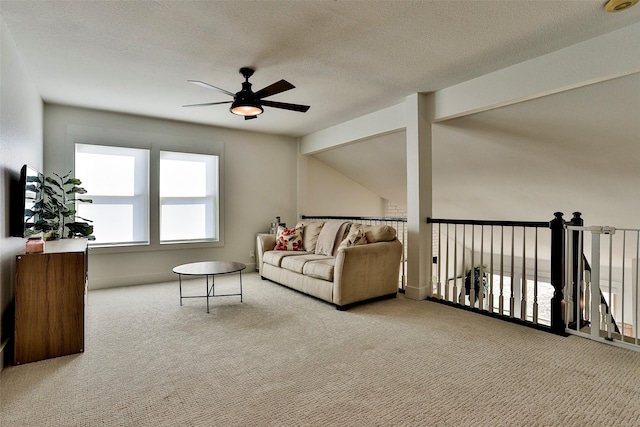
x,y
55,209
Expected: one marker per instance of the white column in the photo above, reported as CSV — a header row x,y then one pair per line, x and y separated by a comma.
x,y
634,305
420,110
302,205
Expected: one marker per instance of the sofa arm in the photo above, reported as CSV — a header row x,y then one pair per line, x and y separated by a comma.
x,y
264,243
366,271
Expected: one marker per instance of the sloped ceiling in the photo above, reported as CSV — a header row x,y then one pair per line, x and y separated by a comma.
x,y
347,58
378,164
572,151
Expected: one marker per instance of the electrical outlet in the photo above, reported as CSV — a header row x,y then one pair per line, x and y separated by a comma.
x,y
252,253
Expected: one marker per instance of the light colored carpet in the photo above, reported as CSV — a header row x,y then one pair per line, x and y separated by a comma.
x,y
285,359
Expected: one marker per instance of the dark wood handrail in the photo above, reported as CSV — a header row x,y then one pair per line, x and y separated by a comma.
x,y
356,218
540,224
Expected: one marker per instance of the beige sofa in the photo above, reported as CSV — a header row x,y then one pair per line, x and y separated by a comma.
x,y
342,263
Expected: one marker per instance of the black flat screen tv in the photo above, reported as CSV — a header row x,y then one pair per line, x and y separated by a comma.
x,y
26,193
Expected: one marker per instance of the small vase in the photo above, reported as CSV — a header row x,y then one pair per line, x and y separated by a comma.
x,y
34,245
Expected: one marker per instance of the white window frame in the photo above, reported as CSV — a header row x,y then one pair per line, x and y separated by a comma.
x,y
116,136
139,200
210,200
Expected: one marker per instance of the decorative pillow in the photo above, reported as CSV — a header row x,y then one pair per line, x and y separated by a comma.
x,y
355,237
289,239
311,231
379,233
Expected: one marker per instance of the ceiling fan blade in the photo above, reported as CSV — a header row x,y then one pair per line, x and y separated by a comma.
x,y
277,87
207,103
208,86
250,117
286,106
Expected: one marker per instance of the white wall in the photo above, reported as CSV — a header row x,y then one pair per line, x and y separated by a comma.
x,y
20,143
259,180
378,163
325,191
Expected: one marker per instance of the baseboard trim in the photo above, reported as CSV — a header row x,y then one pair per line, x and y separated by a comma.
x,y
142,279
417,293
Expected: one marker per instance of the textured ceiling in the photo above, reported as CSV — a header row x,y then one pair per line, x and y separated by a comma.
x,y
347,58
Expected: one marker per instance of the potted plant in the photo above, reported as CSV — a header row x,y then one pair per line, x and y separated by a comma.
x,y
478,272
55,209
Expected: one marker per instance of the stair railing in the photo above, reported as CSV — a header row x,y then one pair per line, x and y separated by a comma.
x,y
495,268
602,297
585,303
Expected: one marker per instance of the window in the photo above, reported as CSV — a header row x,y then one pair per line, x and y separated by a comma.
x,y
189,198
117,180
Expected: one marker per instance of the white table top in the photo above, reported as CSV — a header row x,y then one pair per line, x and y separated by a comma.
x,y
209,268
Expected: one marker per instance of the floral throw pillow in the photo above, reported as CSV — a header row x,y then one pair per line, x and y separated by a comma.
x,y
289,239
355,237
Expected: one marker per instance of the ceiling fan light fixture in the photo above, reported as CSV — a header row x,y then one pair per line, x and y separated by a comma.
x,y
618,5
246,109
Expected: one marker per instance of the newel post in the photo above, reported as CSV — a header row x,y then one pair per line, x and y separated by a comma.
x,y
577,271
557,273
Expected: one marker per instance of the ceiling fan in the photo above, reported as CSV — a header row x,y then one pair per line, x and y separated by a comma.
x,y
248,103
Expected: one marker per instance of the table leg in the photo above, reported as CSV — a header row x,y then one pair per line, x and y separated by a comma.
x,y
207,284
180,282
240,286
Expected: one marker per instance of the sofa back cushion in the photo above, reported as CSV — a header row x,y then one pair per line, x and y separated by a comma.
x,y
310,233
379,233
330,236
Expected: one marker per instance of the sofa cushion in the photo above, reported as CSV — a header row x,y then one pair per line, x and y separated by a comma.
x,y
310,233
355,237
289,239
296,263
379,233
275,257
331,235
320,269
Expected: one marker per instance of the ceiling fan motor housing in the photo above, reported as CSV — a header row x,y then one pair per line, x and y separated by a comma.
x,y
245,102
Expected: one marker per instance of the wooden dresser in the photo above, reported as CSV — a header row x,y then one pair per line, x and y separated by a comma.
x,y
49,301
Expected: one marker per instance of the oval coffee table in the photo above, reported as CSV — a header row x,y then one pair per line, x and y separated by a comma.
x,y
209,268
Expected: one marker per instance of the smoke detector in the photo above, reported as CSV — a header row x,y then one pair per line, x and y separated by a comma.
x,y
618,5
